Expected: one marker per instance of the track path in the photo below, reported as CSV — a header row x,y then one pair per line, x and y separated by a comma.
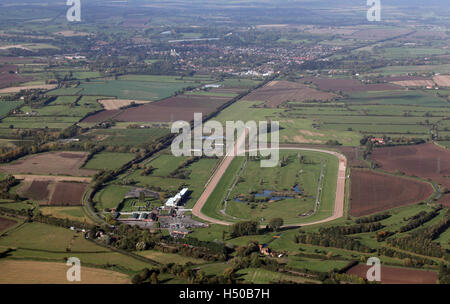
x,y
218,174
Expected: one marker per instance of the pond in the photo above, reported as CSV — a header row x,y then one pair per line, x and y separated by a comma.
x,y
268,193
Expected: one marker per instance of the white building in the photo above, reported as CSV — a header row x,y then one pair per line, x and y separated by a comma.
x,y
174,201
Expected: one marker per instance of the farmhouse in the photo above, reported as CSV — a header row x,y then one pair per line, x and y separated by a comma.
x,y
377,140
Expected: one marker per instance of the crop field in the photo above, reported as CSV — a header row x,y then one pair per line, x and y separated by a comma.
x,y
125,137
57,163
6,223
276,93
172,109
116,104
397,275
66,193
175,108
442,80
373,192
138,87
347,85
414,83
54,193
9,76
108,160
425,160
34,272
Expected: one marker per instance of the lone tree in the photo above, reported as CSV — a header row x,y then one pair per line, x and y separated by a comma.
x,y
276,223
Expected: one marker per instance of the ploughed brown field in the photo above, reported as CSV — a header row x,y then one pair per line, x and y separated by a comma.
x,y
353,154
37,190
61,163
348,85
6,223
8,76
54,193
373,192
171,109
277,92
425,160
67,194
101,116
396,275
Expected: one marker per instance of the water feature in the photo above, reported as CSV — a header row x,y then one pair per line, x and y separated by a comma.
x,y
268,194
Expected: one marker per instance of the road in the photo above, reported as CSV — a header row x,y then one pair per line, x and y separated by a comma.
x,y
340,186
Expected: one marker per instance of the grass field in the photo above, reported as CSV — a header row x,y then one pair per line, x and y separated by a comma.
x,y
166,258
71,213
139,87
293,128
6,106
108,160
110,196
41,242
397,70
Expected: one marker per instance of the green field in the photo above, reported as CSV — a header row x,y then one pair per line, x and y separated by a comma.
x,y
71,213
108,160
139,87
293,128
166,258
397,70
110,196
7,106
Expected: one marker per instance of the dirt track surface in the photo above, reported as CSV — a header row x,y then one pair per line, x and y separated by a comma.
x,y
340,187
